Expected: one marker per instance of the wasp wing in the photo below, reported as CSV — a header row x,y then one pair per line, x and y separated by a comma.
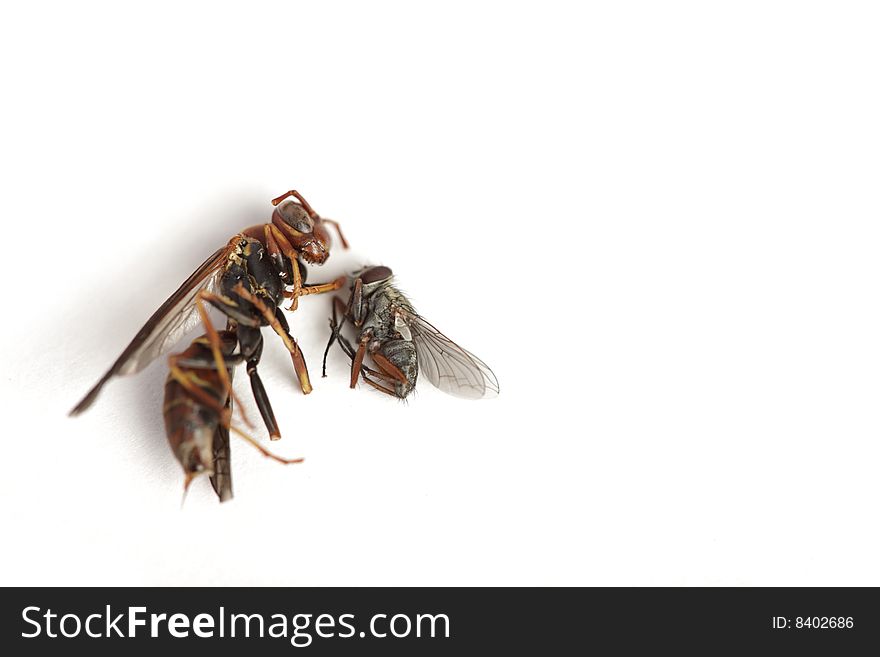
x,y
174,318
221,480
449,367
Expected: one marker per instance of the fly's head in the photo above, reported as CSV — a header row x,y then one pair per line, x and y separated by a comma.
x,y
363,283
371,278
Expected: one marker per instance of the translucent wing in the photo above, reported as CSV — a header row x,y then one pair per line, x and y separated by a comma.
x,y
176,317
449,367
221,480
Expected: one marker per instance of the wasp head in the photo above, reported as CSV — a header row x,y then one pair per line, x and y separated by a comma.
x,y
305,231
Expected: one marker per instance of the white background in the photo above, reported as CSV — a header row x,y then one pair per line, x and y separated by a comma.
x,y
658,224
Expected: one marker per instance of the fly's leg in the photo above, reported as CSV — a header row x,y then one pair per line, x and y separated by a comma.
x,y
389,368
378,386
358,360
366,372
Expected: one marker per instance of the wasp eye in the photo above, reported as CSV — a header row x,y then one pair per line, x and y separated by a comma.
x,y
303,225
295,216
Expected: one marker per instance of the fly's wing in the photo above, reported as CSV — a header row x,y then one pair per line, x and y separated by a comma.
x,y
449,367
177,316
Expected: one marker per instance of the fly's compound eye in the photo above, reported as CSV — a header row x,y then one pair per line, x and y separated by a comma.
x,y
375,274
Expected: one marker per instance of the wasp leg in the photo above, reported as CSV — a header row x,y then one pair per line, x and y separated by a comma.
x,y
180,369
190,383
251,344
248,347
222,478
356,308
299,361
214,341
262,450
335,328
320,288
275,253
287,249
279,324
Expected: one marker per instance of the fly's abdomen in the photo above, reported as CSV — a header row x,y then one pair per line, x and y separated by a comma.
x,y
402,354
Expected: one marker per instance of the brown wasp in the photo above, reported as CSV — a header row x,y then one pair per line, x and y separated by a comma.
x,y
401,343
198,410
247,280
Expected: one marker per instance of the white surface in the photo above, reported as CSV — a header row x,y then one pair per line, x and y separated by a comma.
x,y
659,225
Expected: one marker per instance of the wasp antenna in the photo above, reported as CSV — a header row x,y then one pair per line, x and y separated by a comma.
x,y
335,224
298,197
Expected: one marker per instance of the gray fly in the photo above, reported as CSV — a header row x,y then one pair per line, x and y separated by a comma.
x,y
401,343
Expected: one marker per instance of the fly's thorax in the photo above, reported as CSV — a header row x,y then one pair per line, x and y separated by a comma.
x,y
387,314
387,300
398,300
